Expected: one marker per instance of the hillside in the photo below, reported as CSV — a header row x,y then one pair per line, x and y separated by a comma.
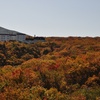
x,y
58,69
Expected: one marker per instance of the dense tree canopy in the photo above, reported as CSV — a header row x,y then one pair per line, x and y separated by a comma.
x,y
58,69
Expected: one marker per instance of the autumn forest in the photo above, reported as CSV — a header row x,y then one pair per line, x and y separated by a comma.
x,y
58,69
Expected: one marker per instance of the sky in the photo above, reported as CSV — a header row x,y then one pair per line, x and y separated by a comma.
x,y
61,18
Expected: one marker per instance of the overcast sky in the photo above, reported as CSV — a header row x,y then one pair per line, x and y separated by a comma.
x,y
51,17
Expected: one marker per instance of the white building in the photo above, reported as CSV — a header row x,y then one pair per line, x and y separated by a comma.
x,y
6,35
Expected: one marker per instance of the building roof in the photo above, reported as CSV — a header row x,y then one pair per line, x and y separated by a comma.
x,y
4,31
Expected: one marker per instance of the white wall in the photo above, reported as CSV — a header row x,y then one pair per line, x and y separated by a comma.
x,y
20,37
4,37
12,37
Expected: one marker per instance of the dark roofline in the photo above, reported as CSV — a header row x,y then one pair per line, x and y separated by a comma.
x,y
20,33
9,34
13,34
4,34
